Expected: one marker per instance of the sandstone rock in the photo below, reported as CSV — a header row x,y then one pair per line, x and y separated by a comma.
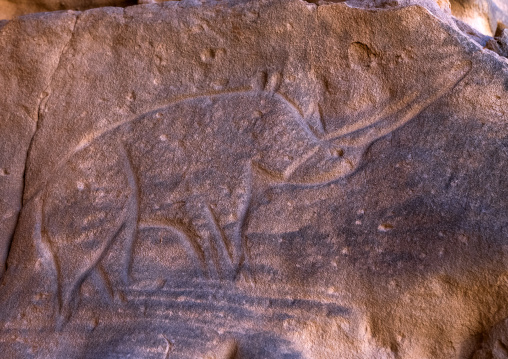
x,y
31,49
12,8
500,43
251,179
495,343
483,15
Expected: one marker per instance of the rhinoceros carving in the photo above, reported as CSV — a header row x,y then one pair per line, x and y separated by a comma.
x,y
190,170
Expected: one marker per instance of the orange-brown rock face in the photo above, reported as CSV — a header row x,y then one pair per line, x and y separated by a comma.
x,y
13,8
252,179
484,15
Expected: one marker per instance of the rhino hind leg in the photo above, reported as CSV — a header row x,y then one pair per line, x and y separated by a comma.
x,y
69,289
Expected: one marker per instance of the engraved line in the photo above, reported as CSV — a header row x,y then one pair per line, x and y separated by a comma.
x,y
273,82
410,110
319,181
321,121
295,164
300,118
373,119
45,242
368,135
43,98
225,246
244,218
42,101
93,136
76,284
132,226
215,258
177,100
271,176
193,247
102,282
168,347
291,102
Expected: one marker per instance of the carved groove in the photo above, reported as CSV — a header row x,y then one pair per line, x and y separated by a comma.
x,y
133,213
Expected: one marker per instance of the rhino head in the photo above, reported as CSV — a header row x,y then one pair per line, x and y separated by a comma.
x,y
331,155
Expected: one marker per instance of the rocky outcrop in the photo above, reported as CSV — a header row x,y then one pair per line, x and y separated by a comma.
x,y
483,15
252,179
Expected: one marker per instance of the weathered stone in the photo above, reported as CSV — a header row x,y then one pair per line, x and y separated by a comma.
x,y
12,8
495,343
251,179
31,49
483,15
500,43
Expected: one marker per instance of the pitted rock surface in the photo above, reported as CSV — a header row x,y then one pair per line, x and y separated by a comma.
x,y
252,179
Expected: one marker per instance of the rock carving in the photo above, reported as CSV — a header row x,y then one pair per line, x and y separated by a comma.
x,y
252,179
159,170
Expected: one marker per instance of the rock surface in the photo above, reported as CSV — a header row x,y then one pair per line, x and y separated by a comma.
x,y
252,179
12,8
495,343
483,15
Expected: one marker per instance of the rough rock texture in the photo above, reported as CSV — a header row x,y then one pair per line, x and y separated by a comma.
x,y
483,15
499,44
31,50
495,343
12,8
252,179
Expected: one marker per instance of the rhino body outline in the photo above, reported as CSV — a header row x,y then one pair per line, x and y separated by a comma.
x,y
356,140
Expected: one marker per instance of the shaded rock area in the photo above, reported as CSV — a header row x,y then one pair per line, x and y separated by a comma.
x,y
500,43
252,179
495,342
12,8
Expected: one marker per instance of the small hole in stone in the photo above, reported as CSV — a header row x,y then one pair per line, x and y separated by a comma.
x,y
385,227
337,152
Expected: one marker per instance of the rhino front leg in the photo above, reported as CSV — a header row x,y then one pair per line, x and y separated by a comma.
x,y
230,240
243,262
221,221
133,208
221,246
189,239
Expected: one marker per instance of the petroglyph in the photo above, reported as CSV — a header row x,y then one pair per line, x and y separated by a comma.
x,y
178,178
251,179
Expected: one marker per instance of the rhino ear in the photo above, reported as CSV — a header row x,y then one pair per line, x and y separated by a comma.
x,y
339,153
314,121
267,81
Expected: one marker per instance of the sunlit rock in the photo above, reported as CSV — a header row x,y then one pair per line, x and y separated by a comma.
x,y
253,179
